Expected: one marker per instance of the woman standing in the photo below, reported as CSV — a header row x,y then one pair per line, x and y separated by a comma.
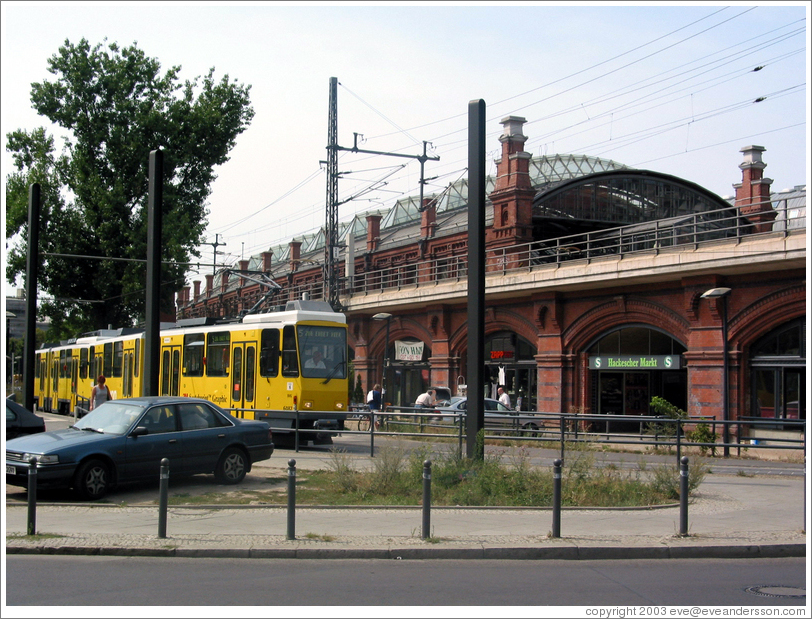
x,y
100,394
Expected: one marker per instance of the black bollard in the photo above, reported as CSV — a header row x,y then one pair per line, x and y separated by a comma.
x,y
683,496
426,499
163,499
32,496
556,498
291,499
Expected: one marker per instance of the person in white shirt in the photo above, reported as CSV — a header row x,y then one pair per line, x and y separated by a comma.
x,y
425,400
504,398
315,362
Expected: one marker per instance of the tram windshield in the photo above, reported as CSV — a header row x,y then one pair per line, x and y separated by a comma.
x,y
323,351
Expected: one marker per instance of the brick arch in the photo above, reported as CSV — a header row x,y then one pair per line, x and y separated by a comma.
x,y
765,315
606,316
398,329
497,320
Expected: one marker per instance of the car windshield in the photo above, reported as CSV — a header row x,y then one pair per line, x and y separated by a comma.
x,y
110,418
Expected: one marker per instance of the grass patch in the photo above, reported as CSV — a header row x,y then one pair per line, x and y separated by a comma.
x,y
397,479
33,538
322,538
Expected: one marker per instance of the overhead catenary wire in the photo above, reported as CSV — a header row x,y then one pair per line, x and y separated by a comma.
x,y
648,83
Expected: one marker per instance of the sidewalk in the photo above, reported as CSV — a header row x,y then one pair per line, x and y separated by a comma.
x,y
731,515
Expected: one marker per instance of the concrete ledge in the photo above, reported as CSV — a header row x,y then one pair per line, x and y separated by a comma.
x,y
582,553
593,553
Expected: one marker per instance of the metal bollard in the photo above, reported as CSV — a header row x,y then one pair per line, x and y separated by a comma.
x,y
32,496
683,496
163,500
291,499
426,499
556,498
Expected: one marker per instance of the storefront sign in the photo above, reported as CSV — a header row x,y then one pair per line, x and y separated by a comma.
x,y
632,362
408,351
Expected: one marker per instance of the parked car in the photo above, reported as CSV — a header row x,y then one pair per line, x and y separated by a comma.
x,y
124,441
497,415
21,421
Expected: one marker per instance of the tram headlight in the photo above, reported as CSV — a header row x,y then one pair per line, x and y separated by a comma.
x,y
308,404
339,406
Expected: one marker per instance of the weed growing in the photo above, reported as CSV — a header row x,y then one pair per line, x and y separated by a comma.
x,y
397,478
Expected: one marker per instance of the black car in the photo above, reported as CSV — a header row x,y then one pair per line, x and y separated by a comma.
x,y
125,440
21,421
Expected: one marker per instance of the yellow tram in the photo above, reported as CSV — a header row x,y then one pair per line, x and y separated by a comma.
x,y
276,366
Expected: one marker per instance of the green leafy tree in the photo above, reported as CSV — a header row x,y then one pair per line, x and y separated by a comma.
x,y
116,106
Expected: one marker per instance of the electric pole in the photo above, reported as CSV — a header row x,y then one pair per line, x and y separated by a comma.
x,y
216,244
331,247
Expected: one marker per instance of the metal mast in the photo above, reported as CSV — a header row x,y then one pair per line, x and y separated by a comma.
x,y
331,248
331,224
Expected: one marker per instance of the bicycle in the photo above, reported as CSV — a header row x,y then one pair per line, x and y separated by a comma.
x,y
364,422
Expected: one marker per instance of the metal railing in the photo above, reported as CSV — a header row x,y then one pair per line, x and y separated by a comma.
x,y
691,230
559,430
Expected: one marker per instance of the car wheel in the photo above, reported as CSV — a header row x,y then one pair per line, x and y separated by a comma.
x,y
232,467
530,429
92,480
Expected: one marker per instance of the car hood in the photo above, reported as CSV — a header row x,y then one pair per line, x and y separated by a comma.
x,y
57,440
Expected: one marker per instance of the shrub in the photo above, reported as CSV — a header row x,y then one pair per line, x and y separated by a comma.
x,y
702,434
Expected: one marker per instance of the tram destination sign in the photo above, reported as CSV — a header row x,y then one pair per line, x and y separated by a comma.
x,y
635,362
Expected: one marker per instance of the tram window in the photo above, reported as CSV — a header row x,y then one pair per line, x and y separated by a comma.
x,y
63,363
193,345
165,373
290,360
108,360
324,351
269,353
118,359
83,363
137,356
248,389
217,353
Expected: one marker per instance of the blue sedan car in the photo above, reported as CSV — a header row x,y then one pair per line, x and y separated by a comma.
x,y
125,440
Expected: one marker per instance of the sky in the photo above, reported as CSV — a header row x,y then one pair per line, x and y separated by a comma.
x,y
678,89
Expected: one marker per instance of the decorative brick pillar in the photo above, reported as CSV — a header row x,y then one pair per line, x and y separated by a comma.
x,y
753,194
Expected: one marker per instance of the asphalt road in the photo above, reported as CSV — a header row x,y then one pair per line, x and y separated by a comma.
x,y
641,585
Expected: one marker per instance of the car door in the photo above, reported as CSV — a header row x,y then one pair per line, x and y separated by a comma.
x,y
204,435
143,453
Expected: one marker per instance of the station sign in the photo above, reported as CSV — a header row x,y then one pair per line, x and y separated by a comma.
x,y
635,362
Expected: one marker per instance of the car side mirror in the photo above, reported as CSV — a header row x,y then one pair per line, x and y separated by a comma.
x,y
139,431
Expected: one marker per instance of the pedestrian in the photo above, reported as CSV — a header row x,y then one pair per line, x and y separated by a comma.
x,y
100,393
504,398
374,398
425,400
374,402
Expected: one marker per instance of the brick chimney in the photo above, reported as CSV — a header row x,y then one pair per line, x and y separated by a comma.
x,y
224,281
428,218
373,232
512,197
209,284
267,256
295,254
753,194
197,289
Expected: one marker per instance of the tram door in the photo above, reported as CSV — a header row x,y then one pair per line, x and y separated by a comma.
x,y
243,378
170,370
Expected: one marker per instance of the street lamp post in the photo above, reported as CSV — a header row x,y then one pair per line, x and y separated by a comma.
x,y
388,319
723,293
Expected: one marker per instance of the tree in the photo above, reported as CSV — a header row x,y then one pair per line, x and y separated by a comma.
x,y
116,107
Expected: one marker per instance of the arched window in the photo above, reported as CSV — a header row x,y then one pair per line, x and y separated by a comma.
x,y
778,373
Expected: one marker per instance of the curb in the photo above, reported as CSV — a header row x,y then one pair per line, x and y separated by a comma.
x,y
571,553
